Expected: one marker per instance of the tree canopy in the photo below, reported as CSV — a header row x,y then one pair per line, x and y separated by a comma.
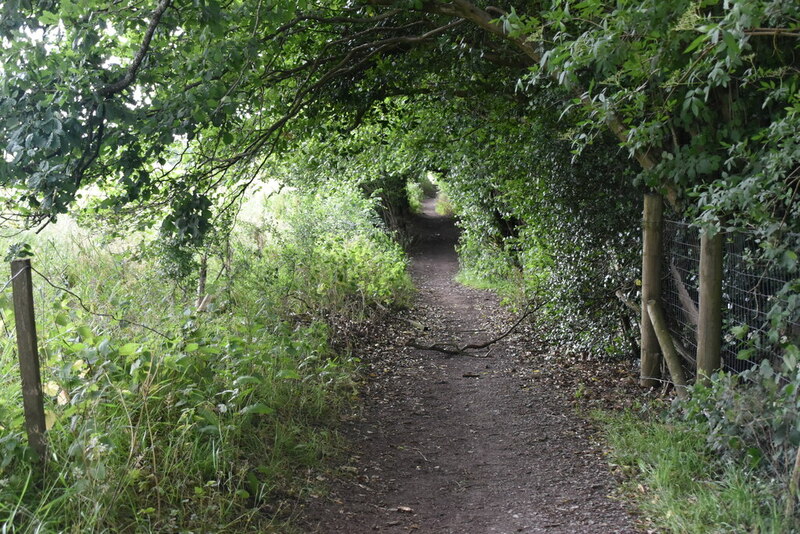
x,y
113,93
179,106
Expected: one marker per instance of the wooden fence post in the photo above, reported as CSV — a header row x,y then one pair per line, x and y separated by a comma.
x,y
25,320
667,347
652,230
709,321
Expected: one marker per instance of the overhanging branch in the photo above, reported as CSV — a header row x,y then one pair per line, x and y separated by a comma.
x,y
481,18
133,68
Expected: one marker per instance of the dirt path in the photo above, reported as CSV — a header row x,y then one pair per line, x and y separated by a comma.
x,y
464,444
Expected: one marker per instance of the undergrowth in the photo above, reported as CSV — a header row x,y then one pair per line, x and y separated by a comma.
x,y
681,485
197,421
721,460
416,195
506,288
443,205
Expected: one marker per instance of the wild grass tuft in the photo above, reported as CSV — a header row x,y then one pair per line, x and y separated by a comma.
x,y
680,486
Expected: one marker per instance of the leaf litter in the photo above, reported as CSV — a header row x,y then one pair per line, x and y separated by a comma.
x,y
446,443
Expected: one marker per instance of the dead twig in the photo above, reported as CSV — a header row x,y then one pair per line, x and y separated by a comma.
x,y
455,350
627,302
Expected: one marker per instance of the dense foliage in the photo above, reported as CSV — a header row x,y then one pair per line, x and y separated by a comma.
x,y
180,103
542,220
211,423
170,110
545,121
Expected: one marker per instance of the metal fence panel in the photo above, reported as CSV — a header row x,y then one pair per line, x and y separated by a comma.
x,y
749,289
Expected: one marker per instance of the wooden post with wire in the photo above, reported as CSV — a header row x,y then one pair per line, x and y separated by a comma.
x,y
709,322
25,320
652,229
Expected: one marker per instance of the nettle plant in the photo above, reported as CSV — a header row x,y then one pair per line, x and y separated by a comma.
x,y
165,431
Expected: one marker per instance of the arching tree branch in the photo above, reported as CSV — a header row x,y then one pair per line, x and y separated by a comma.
x,y
130,74
481,18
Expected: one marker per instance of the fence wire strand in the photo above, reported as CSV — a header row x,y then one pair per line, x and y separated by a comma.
x,y
10,281
749,289
99,314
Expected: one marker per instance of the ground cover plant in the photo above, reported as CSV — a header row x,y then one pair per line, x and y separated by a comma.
x,y
724,459
205,420
681,485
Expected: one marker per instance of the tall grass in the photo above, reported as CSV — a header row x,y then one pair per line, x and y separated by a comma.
x,y
680,486
216,421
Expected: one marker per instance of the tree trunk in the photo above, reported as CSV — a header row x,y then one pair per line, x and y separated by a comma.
x,y
667,347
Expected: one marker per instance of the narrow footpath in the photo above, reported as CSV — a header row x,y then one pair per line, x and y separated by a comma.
x,y
466,443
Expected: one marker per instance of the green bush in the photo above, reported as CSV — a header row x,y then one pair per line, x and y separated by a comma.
x,y
752,418
562,228
443,205
415,195
326,255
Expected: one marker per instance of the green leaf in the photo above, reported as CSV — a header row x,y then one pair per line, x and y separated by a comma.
x,y
731,44
208,415
258,408
62,319
696,43
85,333
740,332
128,349
288,374
755,455
246,380
48,18
789,260
17,251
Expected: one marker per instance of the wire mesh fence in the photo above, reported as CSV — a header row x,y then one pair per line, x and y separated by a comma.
x,y
679,286
749,289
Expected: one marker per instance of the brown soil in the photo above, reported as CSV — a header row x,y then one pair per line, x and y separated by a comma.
x,y
476,443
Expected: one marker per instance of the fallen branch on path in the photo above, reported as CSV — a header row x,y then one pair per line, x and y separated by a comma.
x,y
453,349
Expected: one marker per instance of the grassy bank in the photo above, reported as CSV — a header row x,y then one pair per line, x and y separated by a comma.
x,y
165,418
680,485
